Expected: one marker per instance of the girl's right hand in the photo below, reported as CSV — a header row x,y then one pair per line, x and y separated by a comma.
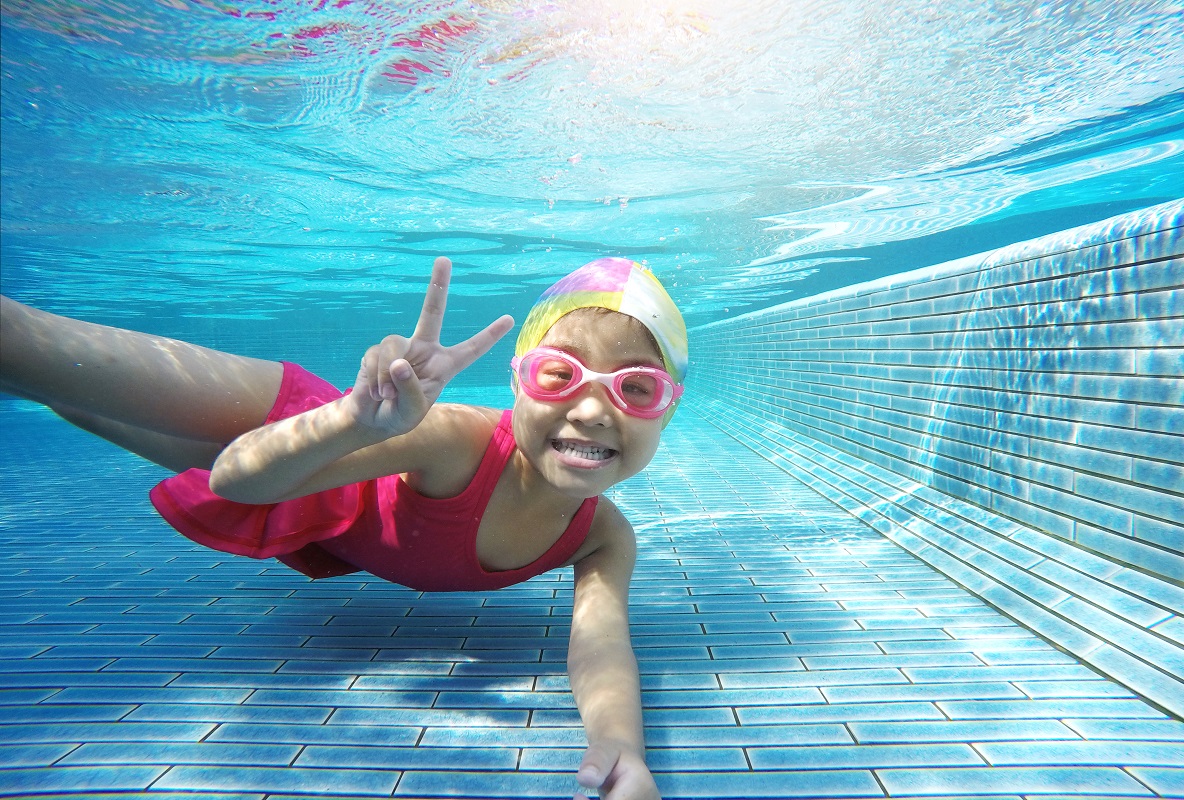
x,y
401,378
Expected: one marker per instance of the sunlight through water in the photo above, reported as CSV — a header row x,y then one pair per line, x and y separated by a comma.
x,y
260,159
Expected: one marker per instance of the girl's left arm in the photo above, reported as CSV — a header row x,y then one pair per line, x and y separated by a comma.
x,y
603,669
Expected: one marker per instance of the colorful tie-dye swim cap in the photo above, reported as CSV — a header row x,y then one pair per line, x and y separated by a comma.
x,y
617,284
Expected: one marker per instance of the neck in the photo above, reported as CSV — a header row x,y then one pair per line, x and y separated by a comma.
x,y
533,487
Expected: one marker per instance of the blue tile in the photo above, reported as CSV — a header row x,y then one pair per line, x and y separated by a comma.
x,y
840,712
455,783
32,755
1134,729
85,650
830,677
20,663
113,680
453,683
498,737
863,756
268,680
1022,780
168,754
308,734
101,732
702,759
1157,531
1037,655
362,667
248,652
504,699
748,735
68,713
1041,670
1141,499
151,695
958,731
428,717
1087,688
196,665
379,783
340,699
815,783
733,697
925,691
411,758
1076,708
1131,551
74,779
1168,781
200,712
1095,753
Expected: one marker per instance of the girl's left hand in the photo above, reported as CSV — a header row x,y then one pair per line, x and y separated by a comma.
x,y
618,773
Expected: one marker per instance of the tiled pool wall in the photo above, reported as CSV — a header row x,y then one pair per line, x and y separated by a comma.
x,y
1014,419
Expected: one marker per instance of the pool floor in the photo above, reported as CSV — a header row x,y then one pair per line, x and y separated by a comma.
x,y
786,650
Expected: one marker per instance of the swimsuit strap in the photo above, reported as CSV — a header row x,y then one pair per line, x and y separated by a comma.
x,y
493,463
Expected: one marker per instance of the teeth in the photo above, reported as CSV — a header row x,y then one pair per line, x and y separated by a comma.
x,y
591,452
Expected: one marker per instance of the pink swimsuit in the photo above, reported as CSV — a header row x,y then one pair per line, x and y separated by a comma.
x,y
382,526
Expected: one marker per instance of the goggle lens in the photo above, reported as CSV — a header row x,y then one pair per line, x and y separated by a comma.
x,y
548,374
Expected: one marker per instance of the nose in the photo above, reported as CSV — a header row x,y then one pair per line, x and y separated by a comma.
x,y
592,406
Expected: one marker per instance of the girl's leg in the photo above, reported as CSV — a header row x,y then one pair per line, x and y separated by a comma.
x,y
170,452
87,371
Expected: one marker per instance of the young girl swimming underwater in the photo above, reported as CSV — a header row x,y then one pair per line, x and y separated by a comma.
x,y
275,462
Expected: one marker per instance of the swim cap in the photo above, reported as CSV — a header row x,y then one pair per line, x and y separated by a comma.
x,y
620,285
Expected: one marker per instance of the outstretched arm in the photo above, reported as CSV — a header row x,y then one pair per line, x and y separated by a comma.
x,y
375,430
603,669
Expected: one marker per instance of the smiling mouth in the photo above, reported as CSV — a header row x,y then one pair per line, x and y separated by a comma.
x,y
586,452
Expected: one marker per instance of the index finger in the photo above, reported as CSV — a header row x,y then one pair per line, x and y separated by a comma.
x,y
431,318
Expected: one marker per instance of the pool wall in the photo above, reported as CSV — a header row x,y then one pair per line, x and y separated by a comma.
x,y
1014,419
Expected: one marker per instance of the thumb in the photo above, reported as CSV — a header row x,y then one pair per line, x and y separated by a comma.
x,y
597,765
410,398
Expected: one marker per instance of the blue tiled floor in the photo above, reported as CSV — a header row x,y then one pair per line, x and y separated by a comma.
x,y
787,651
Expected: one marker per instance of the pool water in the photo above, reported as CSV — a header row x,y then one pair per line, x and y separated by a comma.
x,y
786,650
278,162
274,178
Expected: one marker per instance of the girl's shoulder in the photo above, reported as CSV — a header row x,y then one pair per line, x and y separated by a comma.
x,y
610,534
470,426
453,437
459,422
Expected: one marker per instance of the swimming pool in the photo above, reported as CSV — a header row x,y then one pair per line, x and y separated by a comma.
x,y
273,178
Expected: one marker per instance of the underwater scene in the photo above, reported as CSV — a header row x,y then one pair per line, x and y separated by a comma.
x,y
915,530
291,163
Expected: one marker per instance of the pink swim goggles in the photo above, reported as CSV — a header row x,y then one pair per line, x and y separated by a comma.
x,y
552,375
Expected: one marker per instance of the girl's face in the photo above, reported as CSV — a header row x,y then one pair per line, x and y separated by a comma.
x,y
584,444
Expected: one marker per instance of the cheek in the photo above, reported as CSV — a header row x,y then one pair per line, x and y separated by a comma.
x,y
645,442
527,418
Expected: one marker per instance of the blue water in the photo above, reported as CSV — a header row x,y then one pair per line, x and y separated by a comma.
x,y
210,169
274,178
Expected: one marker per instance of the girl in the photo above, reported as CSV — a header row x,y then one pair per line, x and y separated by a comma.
x,y
274,462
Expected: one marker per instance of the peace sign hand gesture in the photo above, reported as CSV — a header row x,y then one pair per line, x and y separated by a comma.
x,y
401,378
